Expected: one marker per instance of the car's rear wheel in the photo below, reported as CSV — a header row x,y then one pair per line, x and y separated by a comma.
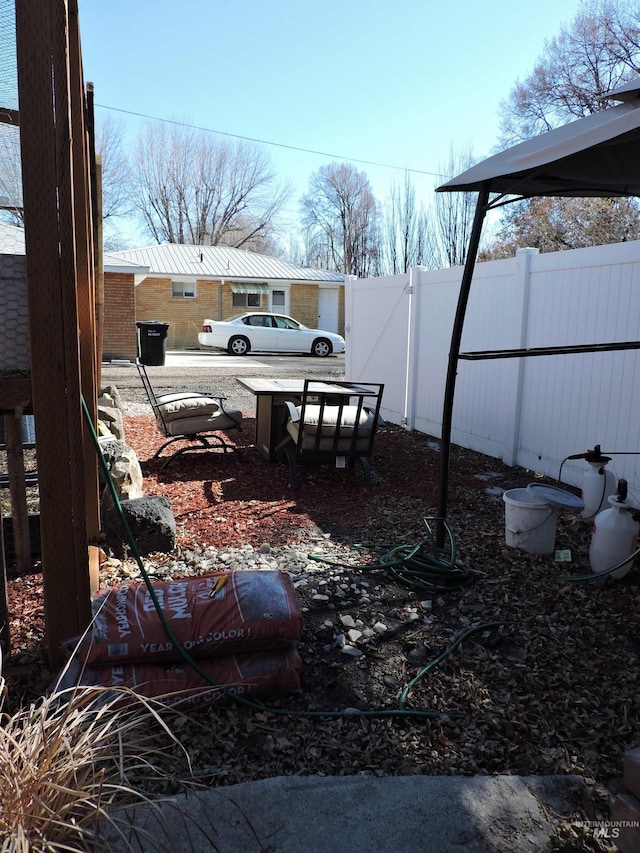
x,y
321,347
238,345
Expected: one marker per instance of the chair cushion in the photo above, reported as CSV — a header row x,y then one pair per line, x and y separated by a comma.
x,y
330,416
325,444
203,423
177,395
185,407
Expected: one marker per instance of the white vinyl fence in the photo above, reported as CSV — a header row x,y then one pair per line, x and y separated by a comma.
x,y
531,412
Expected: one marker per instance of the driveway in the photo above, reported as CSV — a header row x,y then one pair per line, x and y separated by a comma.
x,y
216,373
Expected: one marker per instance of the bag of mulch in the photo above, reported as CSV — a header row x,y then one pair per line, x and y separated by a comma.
x,y
177,685
212,615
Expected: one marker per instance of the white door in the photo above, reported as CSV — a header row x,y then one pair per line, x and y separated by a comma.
x,y
328,309
279,300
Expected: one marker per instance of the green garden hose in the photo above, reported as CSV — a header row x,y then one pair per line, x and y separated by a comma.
x,y
423,567
445,654
602,574
415,566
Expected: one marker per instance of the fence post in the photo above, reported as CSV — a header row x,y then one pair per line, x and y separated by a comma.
x,y
348,320
513,389
413,291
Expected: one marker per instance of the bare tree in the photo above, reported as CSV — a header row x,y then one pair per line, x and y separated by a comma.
x,y
116,195
10,175
265,242
598,51
595,53
426,250
109,146
116,201
316,249
555,224
405,230
189,187
452,216
340,214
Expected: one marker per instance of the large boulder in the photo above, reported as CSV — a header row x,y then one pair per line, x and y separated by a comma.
x,y
110,420
125,471
110,396
150,520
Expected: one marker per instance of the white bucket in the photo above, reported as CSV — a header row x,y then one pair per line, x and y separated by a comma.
x,y
530,524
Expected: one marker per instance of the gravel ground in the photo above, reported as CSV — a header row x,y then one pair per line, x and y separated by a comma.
x,y
223,381
537,674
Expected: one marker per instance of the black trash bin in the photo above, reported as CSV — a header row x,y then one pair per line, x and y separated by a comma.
x,y
152,342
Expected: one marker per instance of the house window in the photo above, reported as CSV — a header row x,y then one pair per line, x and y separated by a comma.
x,y
246,300
278,300
183,290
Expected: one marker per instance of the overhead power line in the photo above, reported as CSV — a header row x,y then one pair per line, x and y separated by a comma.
x,y
273,144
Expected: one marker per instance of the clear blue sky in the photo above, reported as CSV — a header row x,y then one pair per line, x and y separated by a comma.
x,y
397,83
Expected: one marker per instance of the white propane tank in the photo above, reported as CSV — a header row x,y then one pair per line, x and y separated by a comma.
x,y
598,484
615,535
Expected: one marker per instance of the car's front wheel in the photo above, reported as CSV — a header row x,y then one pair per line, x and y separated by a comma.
x,y
238,346
321,347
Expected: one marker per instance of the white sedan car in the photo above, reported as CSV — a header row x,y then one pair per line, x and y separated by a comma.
x,y
260,331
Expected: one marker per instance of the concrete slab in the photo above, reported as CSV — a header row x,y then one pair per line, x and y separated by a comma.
x,y
210,359
358,814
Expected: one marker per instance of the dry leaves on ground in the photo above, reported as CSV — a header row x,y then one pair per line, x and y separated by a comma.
x,y
553,688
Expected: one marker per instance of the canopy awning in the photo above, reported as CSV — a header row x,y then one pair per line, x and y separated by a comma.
x,y
593,156
244,287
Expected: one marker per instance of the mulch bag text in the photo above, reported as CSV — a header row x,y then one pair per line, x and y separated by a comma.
x,y
210,615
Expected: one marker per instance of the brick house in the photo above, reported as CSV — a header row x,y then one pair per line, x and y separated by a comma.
x,y
119,332
119,329
182,285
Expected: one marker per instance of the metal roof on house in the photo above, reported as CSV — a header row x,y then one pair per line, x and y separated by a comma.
x,y
12,243
114,263
174,259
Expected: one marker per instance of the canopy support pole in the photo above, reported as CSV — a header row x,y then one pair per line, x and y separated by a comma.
x,y
454,352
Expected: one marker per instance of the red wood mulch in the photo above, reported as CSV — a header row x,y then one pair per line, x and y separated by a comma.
x,y
220,501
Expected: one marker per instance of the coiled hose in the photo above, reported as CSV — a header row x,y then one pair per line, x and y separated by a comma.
x,y
413,568
423,567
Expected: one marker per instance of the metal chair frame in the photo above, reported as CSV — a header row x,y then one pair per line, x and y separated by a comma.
x,y
334,442
207,439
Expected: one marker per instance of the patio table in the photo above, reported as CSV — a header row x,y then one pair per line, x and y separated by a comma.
x,y
271,412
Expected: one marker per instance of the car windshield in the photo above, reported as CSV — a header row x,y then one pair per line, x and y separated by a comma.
x,y
234,317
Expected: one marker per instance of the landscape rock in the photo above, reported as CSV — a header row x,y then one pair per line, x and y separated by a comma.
x,y
124,468
110,396
352,651
150,521
110,422
110,412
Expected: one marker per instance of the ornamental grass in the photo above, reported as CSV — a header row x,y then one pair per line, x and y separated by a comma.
x,y
70,763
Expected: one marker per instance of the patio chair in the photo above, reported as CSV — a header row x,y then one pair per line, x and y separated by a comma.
x,y
335,423
191,416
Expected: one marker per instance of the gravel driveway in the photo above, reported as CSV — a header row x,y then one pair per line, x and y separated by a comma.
x,y
214,374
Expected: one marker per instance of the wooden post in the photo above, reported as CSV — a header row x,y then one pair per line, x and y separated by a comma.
x,y
17,491
99,273
95,171
85,268
47,176
5,636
